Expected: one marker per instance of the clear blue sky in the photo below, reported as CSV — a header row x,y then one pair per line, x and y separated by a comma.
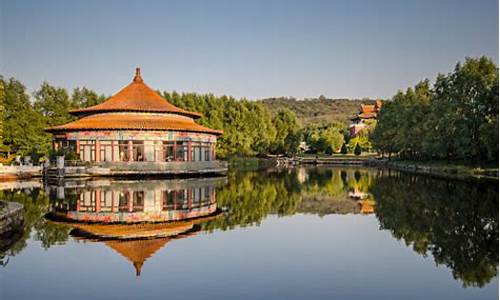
x,y
249,49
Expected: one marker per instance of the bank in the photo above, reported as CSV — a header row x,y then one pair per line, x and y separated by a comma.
x,y
435,168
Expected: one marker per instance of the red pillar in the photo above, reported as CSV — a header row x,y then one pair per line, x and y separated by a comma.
x,y
189,158
77,146
112,150
97,151
97,200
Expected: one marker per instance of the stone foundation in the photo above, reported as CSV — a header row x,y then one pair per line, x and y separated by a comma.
x,y
11,217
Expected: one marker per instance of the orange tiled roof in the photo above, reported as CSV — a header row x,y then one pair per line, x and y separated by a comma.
x,y
369,115
367,108
137,251
136,96
131,121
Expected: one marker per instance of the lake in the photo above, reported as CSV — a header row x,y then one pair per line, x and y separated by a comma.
x,y
303,233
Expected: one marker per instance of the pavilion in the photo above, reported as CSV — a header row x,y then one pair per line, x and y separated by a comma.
x,y
134,126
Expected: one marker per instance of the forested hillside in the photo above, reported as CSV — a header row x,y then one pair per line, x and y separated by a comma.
x,y
319,111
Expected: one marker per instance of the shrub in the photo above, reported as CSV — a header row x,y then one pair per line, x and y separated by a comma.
x,y
343,150
357,150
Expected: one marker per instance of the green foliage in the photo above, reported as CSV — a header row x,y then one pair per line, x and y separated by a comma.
x,y
287,138
249,129
456,119
357,149
83,97
362,141
53,104
22,124
343,150
454,221
325,139
68,154
319,111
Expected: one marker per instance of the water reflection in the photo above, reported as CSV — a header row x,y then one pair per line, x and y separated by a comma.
x,y
456,222
111,201
134,218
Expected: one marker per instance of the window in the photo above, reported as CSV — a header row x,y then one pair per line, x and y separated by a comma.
x,y
87,150
169,198
168,151
106,151
123,150
138,197
123,200
138,151
182,151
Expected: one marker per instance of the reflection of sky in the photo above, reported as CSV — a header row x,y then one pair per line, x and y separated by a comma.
x,y
297,257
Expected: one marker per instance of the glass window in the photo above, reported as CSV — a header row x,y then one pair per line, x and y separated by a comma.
x,y
138,151
123,150
168,151
182,151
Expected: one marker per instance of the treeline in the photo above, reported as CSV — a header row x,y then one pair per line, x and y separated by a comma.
x,y
319,111
249,128
455,119
23,118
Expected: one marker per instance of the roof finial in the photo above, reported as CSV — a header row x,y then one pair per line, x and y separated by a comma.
x,y
137,77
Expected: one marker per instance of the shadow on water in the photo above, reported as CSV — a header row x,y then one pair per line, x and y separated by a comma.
x,y
454,221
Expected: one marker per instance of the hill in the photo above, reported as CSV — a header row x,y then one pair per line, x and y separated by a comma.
x,y
318,111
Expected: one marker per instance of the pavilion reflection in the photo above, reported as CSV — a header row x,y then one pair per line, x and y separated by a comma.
x,y
109,201
134,218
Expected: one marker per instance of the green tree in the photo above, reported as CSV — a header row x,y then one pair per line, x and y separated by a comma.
x,y
54,104
287,138
84,97
22,125
457,119
343,150
357,149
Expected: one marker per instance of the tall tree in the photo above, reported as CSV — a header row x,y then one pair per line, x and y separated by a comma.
x,y
23,126
84,97
54,104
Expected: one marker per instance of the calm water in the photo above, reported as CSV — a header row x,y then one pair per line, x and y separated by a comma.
x,y
338,233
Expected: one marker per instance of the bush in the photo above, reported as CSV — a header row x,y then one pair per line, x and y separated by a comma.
x,y
343,150
68,154
357,150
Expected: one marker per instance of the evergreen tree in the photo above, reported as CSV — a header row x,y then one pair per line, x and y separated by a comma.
x,y
357,150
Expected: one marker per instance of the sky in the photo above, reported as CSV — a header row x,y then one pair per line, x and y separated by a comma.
x,y
251,49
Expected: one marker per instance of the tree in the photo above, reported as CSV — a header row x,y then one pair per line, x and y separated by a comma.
x,y
287,132
457,119
83,97
54,104
22,126
343,150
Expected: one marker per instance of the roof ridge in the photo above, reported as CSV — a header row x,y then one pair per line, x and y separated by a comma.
x,y
136,96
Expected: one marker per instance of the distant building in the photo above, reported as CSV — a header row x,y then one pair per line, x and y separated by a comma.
x,y
366,112
137,125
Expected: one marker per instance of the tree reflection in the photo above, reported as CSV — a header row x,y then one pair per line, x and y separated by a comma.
x,y
251,196
36,204
455,221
